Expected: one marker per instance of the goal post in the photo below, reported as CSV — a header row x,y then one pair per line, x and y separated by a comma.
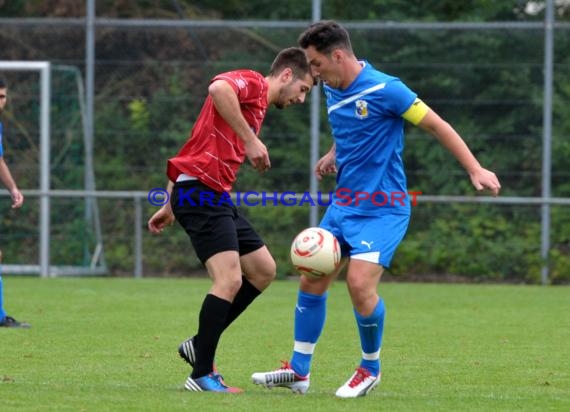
x,y
44,69
45,267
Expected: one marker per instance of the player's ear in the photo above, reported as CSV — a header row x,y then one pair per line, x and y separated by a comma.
x,y
286,75
337,55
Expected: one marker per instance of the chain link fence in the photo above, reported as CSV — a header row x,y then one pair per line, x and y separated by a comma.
x,y
151,77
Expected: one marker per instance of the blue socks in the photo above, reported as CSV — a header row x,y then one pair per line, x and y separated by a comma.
x,y
371,329
310,315
2,312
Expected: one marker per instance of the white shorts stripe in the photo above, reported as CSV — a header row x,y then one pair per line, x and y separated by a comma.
x,y
372,257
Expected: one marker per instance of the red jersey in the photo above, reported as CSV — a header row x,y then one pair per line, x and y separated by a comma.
x,y
214,152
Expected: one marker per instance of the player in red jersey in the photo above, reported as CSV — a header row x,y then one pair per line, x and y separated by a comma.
x,y
200,177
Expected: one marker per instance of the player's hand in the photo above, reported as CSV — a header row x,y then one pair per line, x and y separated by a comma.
x,y
17,199
325,166
162,218
485,179
257,154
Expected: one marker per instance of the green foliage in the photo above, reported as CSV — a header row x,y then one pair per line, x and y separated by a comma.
x,y
480,243
140,116
246,10
150,85
422,10
559,258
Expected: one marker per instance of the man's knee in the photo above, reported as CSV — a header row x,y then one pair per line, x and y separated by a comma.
x,y
267,271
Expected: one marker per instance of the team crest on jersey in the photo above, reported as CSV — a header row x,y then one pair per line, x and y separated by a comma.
x,y
361,109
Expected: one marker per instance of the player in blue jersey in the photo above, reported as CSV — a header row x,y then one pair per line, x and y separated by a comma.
x,y
367,110
17,201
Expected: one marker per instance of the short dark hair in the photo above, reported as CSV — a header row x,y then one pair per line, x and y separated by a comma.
x,y
2,83
325,36
293,58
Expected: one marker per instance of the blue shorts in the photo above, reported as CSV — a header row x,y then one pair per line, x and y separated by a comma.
x,y
370,238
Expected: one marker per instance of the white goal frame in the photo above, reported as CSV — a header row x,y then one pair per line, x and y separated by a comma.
x,y
44,68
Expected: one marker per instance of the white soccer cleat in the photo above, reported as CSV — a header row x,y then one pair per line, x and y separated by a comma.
x,y
284,377
359,384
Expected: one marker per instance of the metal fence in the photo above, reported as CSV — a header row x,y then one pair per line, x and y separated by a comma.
x,y
207,47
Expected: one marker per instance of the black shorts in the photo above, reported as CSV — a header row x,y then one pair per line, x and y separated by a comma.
x,y
213,224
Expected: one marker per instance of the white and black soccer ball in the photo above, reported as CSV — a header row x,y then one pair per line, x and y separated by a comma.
x,y
315,252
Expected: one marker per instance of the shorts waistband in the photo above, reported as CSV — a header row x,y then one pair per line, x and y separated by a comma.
x,y
184,178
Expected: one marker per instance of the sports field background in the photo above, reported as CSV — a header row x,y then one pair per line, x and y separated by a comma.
x,y
104,344
481,65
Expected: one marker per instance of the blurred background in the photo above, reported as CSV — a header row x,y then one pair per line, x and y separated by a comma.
x,y
128,78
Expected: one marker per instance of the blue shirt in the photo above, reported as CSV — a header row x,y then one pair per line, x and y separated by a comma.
x,y
1,134
368,131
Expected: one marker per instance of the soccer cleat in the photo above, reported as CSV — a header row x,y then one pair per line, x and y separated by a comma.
x,y
359,384
213,382
284,377
187,351
10,322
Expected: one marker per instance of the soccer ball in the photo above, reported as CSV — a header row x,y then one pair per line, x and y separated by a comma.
x,y
315,252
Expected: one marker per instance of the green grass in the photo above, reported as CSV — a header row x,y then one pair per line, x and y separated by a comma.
x,y
110,345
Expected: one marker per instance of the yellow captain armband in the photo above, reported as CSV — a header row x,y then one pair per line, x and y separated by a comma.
x,y
416,112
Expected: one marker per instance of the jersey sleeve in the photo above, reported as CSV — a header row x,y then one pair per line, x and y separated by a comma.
x,y
398,97
247,84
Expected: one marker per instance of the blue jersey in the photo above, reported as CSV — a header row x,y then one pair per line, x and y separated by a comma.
x,y
1,134
368,131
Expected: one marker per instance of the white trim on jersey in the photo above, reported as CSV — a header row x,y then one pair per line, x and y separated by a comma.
x,y
213,156
205,174
356,96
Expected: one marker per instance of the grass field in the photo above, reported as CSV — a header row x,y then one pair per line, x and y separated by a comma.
x,y
110,345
